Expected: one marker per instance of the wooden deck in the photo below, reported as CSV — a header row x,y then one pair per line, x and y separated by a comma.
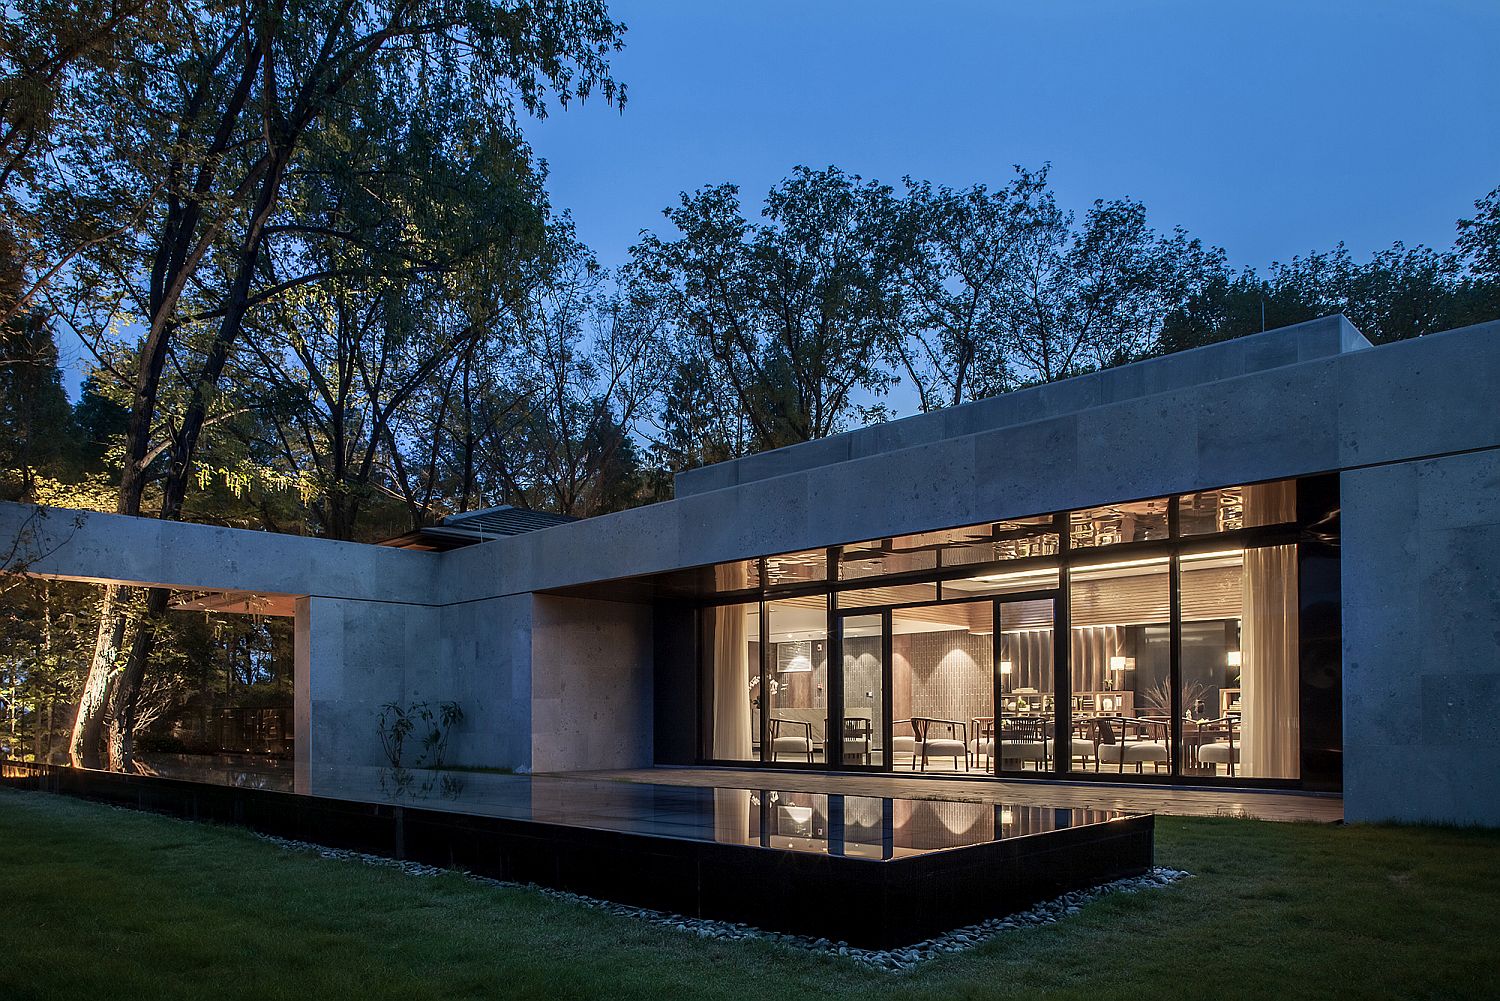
x,y
1176,800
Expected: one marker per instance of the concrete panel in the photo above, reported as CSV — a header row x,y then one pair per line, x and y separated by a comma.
x,y
860,500
487,646
1005,463
1420,397
1421,541
1272,349
592,688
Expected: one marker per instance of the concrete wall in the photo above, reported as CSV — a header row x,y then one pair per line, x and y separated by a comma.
x,y
87,546
1421,591
591,682
1273,349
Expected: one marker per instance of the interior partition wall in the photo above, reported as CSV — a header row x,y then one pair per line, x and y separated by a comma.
x,y
1160,640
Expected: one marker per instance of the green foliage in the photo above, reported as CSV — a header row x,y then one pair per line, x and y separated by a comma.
x,y
789,315
429,726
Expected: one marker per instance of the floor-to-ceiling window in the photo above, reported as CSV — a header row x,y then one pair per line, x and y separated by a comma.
x,y
1151,640
942,682
1120,664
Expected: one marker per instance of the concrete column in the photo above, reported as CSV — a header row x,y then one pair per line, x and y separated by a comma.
x,y
1421,593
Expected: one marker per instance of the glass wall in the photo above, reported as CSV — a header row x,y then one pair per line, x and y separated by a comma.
x,y
942,685
1240,681
1120,664
797,685
1177,619
863,686
1024,734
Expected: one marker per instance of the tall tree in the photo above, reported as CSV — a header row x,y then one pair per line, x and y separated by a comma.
x,y
1095,295
795,310
216,124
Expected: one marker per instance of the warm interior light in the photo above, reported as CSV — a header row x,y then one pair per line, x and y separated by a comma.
x,y
1212,556
1157,560
1117,664
1233,658
996,578
1005,667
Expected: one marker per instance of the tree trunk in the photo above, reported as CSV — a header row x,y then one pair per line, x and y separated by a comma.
x,y
126,692
83,748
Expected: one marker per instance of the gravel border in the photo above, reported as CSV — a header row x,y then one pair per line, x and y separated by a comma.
x,y
891,960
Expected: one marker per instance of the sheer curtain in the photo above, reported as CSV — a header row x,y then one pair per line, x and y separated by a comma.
x,y
1269,663
731,739
732,816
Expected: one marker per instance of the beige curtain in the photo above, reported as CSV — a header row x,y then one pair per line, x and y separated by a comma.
x,y
1270,503
732,816
731,739
1268,669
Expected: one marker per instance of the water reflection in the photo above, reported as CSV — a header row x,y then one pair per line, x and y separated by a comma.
x,y
864,827
878,828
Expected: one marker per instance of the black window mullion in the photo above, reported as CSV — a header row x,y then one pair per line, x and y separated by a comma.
x,y
1062,652
765,681
1062,682
997,694
833,724
887,699
1174,672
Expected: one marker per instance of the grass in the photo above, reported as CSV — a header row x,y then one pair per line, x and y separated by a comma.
x,y
113,904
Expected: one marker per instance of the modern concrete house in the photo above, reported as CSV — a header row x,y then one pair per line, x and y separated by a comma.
x,y
1272,562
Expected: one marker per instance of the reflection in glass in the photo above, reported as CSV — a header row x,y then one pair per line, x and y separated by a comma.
x,y
1016,538
942,680
793,568
1229,508
1138,521
797,629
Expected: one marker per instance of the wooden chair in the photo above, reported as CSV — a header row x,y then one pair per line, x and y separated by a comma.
x,y
790,743
1025,739
858,734
1124,740
951,746
1216,744
983,744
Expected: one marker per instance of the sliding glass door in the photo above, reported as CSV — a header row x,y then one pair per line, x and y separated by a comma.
x,y
1025,722
862,733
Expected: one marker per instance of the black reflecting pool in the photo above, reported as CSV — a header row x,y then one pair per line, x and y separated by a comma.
x,y
873,872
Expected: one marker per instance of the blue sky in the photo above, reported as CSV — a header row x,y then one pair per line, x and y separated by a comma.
x,y
1267,128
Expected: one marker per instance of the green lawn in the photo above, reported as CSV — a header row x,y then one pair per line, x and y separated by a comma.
x,y
109,904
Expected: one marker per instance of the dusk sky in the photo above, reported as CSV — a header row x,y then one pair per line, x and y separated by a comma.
x,y
1267,128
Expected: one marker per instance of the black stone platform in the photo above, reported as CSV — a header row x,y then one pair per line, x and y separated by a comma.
x,y
876,873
